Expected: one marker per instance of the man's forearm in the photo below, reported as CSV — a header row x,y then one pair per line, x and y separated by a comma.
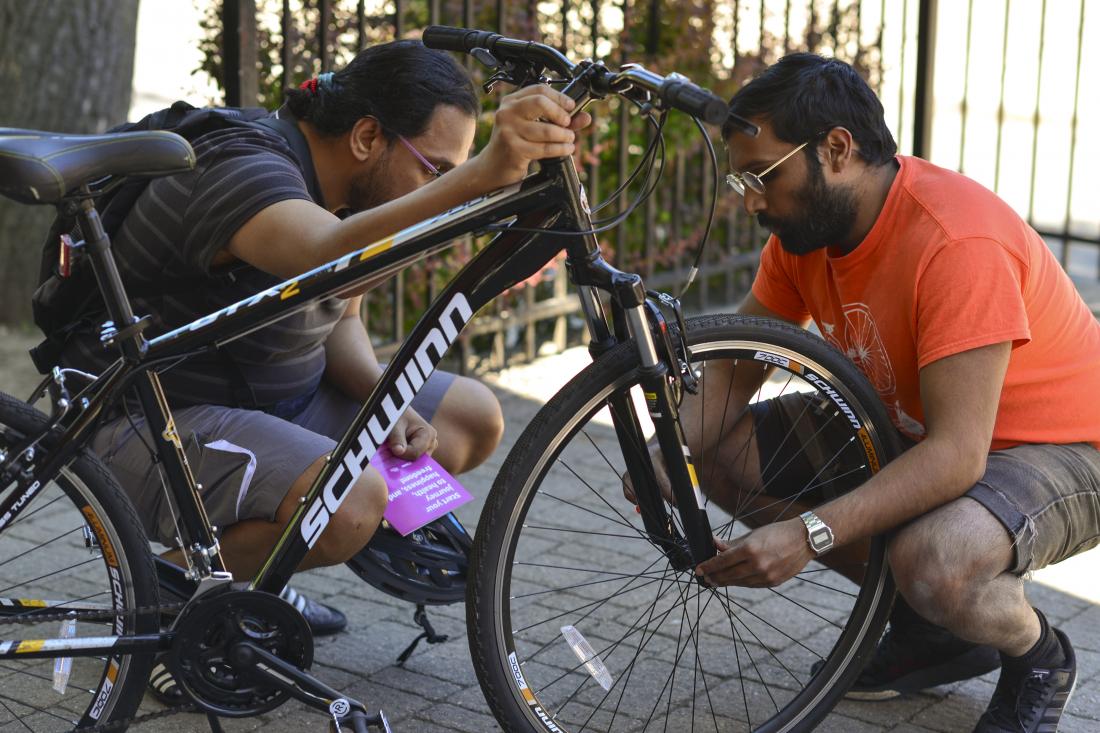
x,y
359,230
350,363
926,476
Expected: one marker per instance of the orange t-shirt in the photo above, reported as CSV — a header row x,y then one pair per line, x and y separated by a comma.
x,y
949,267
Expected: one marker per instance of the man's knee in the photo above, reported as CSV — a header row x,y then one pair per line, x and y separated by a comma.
x,y
942,560
352,526
470,416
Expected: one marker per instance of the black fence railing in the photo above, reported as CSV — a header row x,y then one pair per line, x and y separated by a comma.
x,y
907,49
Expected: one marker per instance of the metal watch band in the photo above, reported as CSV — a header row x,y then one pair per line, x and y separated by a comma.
x,y
818,534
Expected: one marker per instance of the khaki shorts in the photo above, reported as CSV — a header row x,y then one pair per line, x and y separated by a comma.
x,y
244,460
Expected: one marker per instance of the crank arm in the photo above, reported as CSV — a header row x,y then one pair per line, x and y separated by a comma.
x,y
300,685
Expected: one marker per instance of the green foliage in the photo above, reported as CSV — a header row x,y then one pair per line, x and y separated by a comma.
x,y
676,35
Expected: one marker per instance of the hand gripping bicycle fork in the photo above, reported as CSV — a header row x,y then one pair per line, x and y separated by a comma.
x,y
639,318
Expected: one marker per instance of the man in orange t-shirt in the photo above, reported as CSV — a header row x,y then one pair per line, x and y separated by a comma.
x,y
981,349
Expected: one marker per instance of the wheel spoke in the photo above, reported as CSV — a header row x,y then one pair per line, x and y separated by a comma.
x,y
52,574
38,546
648,622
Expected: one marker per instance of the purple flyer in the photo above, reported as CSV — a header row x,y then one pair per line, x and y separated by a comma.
x,y
420,491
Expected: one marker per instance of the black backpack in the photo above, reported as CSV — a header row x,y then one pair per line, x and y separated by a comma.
x,y
63,306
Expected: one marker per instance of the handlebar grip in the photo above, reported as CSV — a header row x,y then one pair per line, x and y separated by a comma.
x,y
694,100
457,39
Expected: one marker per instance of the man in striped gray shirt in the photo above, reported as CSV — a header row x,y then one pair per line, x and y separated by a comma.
x,y
259,419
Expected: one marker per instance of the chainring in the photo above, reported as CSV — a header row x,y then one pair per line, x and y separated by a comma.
x,y
206,632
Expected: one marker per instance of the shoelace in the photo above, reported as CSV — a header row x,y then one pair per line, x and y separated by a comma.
x,y
1027,702
1030,699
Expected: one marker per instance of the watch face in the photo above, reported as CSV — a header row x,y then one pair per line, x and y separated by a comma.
x,y
821,539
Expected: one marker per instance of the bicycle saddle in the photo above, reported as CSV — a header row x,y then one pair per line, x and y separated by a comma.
x,y
39,167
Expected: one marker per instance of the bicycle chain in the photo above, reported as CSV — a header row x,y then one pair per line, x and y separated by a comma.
x,y
110,615
105,614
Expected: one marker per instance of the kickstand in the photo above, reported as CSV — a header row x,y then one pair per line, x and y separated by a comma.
x,y
421,617
215,726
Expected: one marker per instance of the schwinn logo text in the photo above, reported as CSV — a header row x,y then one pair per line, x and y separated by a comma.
x,y
834,396
429,353
546,721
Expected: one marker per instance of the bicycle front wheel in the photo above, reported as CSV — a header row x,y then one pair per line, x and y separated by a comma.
x,y
77,546
577,621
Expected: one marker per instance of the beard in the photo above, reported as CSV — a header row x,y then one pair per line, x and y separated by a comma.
x,y
371,189
828,214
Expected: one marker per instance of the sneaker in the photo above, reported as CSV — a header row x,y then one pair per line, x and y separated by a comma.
x,y
162,685
1034,701
323,620
917,656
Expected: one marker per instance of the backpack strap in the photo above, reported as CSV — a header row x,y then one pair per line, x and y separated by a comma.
x,y
284,122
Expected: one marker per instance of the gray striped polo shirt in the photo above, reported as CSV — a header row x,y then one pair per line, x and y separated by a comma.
x,y
164,251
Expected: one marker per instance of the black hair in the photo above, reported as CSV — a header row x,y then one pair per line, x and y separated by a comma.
x,y
803,94
398,83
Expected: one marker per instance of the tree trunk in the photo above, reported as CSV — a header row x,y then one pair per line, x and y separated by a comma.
x,y
65,65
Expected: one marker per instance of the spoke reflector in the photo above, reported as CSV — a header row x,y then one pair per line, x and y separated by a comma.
x,y
63,666
587,656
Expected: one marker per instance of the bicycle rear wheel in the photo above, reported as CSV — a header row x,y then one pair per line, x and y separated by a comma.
x,y
77,545
558,546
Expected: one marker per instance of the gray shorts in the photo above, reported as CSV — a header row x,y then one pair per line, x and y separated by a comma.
x,y
244,460
1046,496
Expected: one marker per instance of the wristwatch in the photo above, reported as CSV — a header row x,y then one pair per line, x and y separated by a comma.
x,y
818,533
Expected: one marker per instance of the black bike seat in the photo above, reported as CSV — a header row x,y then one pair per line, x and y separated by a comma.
x,y
39,167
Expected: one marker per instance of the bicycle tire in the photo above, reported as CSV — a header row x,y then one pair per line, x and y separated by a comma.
x,y
47,554
504,595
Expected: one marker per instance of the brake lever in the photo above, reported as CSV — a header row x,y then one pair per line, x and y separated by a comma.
x,y
516,73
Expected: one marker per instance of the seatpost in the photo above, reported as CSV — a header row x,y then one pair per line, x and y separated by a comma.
x,y
98,247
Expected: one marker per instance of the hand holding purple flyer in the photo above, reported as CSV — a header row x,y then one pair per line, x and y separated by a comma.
x,y
420,491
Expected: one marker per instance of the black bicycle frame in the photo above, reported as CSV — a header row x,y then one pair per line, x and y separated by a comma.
x,y
553,197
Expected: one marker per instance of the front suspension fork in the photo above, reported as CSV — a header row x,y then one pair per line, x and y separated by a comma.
x,y
629,309
657,388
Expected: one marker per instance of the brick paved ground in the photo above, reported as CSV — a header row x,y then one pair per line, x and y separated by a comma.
x,y
437,688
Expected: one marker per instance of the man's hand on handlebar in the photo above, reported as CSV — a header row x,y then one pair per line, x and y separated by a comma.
x,y
532,123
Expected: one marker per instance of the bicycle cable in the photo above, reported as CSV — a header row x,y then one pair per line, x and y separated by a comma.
x,y
634,174
648,159
694,271
650,186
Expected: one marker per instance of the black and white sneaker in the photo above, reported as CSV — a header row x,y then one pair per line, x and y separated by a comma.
x,y
1031,702
323,620
162,685
915,656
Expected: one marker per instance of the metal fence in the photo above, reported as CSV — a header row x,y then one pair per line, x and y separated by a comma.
x,y
909,50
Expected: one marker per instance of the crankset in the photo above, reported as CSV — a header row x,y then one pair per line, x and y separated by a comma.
x,y
208,630
240,653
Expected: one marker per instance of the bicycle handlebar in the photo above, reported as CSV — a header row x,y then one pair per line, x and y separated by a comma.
x,y
673,90
465,40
